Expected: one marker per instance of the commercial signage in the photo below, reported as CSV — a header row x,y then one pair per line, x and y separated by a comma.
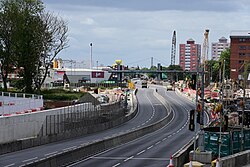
x,y
97,74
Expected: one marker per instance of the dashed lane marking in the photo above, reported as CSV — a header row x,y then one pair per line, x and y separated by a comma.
x,y
51,153
140,152
10,165
128,158
116,165
30,159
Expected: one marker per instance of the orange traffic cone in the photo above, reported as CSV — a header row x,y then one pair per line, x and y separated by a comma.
x,y
217,163
171,162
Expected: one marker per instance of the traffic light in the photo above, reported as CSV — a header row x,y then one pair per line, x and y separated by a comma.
x,y
191,120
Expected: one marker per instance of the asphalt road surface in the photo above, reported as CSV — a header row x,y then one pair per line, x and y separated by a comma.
x,y
150,111
155,148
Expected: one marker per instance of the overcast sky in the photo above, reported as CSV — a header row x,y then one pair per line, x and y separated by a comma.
x,y
136,30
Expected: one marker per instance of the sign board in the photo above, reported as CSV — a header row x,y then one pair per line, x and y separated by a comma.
x,y
97,74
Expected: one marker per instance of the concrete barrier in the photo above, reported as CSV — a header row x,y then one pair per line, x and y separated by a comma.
x,y
82,152
34,140
238,159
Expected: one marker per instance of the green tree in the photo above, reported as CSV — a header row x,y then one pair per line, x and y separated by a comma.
x,y
36,38
177,76
225,55
8,19
212,70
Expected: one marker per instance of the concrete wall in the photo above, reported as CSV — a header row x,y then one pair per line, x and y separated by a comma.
x,y
239,159
28,125
11,103
36,120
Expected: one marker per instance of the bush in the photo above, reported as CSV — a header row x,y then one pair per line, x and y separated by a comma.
x,y
61,95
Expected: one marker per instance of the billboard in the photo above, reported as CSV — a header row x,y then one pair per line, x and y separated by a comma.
x,y
98,74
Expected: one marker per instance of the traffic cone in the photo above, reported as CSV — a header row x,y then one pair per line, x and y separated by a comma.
x,y
217,163
171,162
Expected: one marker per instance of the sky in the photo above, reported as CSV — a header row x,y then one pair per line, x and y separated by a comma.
x,y
136,30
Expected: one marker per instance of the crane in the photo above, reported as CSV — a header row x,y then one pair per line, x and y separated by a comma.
x,y
173,50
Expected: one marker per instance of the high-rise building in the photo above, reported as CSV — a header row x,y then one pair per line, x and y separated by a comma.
x,y
240,53
218,47
189,54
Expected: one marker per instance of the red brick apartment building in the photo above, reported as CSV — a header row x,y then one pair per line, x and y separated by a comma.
x,y
240,53
189,54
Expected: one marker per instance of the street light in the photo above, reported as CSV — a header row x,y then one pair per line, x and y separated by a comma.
x,y
91,55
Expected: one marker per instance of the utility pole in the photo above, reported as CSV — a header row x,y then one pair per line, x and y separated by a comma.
x,y
196,102
91,55
245,75
152,62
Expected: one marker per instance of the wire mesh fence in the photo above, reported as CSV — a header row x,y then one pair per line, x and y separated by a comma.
x,y
81,116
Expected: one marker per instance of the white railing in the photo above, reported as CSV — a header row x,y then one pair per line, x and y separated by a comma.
x,y
12,103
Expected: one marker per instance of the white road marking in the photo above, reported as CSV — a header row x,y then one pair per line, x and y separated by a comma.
x,y
150,147
51,153
69,148
10,165
140,152
116,165
128,158
30,159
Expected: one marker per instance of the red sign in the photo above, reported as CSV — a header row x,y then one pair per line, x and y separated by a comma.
x,y
97,74
60,72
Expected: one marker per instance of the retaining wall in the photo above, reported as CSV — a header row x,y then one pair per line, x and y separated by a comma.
x,y
28,125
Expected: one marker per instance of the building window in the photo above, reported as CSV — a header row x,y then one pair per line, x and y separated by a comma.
x,y
242,40
241,61
242,54
242,47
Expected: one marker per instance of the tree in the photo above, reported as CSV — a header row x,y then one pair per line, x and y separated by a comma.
x,y
55,40
225,55
36,39
212,70
8,19
178,76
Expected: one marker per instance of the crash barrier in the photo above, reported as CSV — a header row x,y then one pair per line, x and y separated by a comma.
x,y
45,133
15,103
81,152
239,159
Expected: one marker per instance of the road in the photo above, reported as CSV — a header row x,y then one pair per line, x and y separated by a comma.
x,y
153,149
150,110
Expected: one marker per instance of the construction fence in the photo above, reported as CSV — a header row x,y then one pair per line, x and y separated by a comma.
x,y
78,117
231,141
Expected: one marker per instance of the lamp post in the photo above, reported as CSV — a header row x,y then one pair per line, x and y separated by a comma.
x,y
97,64
91,55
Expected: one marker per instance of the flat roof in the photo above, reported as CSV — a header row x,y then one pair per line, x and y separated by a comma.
x,y
238,33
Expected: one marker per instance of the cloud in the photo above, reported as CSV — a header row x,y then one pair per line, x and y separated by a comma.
x,y
87,21
131,31
149,5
